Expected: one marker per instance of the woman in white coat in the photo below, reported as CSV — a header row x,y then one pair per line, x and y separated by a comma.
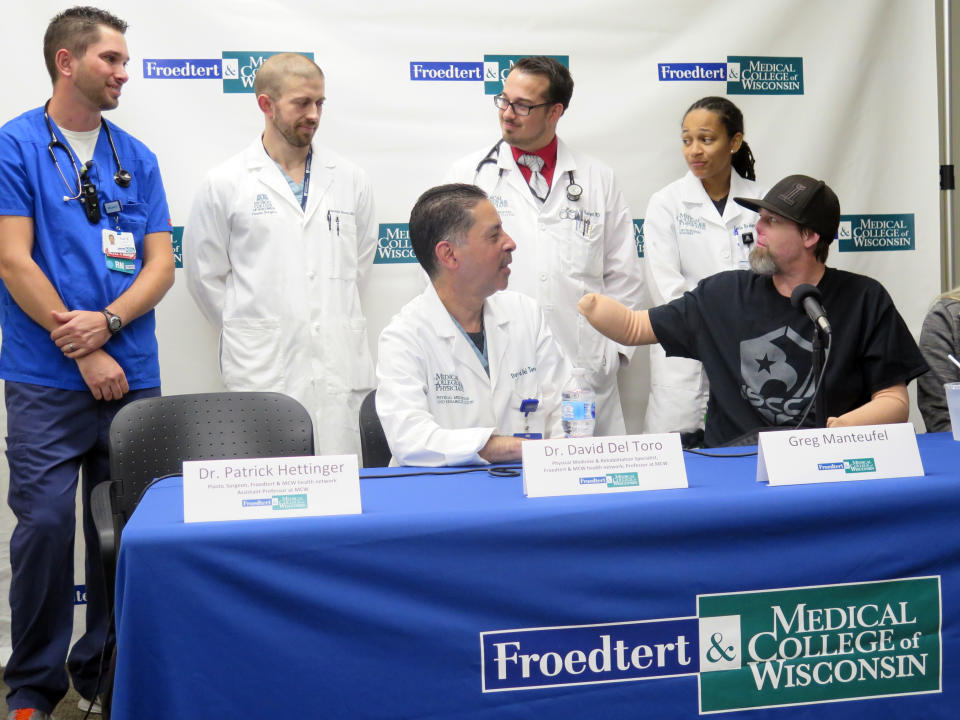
x,y
690,232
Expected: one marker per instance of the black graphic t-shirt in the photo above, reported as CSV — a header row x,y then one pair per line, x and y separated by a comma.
x,y
756,348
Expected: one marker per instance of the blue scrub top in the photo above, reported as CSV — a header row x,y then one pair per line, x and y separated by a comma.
x,y
69,249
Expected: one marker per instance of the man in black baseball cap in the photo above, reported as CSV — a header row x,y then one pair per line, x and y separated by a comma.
x,y
755,345
809,203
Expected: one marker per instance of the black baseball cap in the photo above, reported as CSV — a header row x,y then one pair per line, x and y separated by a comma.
x,y
804,200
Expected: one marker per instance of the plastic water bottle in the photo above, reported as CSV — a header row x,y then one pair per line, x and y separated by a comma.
x,y
579,409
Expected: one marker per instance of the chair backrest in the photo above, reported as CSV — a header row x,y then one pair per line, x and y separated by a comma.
x,y
153,436
373,443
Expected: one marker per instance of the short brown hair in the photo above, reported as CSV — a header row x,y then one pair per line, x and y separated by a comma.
x,y
75,30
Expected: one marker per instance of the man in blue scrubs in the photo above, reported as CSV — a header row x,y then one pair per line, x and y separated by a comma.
x,y
85,255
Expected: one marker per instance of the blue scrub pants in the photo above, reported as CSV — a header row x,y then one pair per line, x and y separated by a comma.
x,y
51,434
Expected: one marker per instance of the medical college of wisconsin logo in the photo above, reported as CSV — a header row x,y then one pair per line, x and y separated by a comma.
x,y
750,650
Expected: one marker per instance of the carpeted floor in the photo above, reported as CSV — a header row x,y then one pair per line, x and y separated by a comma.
x,y
66,710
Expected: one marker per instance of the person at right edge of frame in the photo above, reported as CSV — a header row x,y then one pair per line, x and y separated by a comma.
x,y
568,217
85,255
755,345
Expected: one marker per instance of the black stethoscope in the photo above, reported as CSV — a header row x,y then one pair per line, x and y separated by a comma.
x,y
574,191
121,177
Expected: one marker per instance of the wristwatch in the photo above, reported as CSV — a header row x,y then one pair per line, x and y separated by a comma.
x,y
114,323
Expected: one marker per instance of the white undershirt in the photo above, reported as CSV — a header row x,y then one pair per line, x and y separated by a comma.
x,y
82,143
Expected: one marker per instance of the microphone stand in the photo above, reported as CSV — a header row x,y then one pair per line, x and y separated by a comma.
x,y
820,407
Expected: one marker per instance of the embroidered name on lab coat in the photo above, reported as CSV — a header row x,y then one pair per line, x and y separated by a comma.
x,y
263,206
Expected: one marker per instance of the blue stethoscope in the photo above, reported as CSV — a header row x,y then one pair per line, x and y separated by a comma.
x,y
574,191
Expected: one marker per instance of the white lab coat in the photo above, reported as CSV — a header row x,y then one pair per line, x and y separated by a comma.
x,y
282,285
684,241
556,263
436,403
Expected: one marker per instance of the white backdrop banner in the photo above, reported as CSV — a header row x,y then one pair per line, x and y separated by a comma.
x,y
841,91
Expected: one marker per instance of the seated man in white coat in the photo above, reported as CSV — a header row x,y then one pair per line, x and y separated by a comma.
x,y
465,372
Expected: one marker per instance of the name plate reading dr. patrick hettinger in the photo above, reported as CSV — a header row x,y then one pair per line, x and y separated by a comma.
x,y
586,466
255,488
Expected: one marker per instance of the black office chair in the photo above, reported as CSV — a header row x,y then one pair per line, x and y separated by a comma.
x,y
373,443
151,438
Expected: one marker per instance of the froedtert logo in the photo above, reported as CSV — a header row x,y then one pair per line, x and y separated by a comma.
x,y
182,69
587,654
393,245
492,71
864,233
818,644
674,72
456,71
240,68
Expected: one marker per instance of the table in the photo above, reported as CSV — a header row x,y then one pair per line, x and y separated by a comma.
x,y
380,615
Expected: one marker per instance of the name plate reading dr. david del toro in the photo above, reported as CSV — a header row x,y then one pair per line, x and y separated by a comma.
x,y
585,466
253,488
866,452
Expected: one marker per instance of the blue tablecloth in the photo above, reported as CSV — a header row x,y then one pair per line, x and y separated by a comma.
x,y
379,615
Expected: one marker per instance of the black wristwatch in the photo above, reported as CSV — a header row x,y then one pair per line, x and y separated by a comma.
x,y
114,323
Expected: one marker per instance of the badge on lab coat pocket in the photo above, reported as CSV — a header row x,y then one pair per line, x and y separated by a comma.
x,y
118,244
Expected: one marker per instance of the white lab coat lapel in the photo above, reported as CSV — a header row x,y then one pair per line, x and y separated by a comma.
x,y
565,164
267,172
497,327
693,194
321,179
456,344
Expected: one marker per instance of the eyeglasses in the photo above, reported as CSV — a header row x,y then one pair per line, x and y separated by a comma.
x,y
518,108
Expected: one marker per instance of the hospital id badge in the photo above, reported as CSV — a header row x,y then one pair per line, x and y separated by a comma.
x,y
118,244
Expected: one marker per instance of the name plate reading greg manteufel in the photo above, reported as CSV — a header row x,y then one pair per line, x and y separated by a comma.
x,y
865,452
586,466
257,488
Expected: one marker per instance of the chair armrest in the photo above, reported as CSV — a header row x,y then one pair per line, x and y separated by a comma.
x,y
102,511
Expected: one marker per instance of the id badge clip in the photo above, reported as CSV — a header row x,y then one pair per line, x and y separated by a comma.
x,y
527,406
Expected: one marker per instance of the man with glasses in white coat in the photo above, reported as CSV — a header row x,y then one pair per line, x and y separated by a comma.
x,y
568,217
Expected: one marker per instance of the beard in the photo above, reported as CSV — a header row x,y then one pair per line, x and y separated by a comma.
x,y
761,262
295,136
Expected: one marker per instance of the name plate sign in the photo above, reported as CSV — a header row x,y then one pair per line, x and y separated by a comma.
x,y
585,466
253,488
793,457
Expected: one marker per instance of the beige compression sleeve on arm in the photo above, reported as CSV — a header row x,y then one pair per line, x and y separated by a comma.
x,y
617,322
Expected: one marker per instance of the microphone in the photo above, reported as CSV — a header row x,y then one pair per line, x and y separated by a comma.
x,y
806,297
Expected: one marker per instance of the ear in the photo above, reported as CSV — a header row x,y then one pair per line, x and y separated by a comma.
x,y
810,238
64,62
446,255
265,104
735,142
556,111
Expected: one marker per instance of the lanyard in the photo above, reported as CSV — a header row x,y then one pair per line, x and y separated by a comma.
x,y
306,181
